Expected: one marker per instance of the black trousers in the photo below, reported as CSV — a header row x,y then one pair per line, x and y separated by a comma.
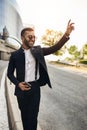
x,y
29,107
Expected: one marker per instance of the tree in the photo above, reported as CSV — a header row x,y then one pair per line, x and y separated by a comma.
x,y
84,52
73,50
85,49
51,37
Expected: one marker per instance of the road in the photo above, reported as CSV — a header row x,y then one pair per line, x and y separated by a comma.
x,y
4,125
64,107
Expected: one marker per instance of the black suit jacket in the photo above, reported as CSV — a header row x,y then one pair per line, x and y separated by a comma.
x,y
17,62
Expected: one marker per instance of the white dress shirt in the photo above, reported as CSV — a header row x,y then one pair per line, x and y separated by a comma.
x,y
30,67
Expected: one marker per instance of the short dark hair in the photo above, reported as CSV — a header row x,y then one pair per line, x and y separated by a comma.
x,y
26,29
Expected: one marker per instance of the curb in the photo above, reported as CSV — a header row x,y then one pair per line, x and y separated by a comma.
x,y
13,110
4,122
78,65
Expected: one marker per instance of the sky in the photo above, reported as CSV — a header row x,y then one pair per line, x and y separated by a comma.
x,y
54,14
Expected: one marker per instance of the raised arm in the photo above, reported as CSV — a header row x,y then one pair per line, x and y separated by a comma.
x,y
61,42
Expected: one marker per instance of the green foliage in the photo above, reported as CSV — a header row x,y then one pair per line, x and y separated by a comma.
x,y
72,49
83,61
59,52
69,59
85,49
77,54
51,37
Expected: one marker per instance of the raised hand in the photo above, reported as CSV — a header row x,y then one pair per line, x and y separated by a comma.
x,y
70,28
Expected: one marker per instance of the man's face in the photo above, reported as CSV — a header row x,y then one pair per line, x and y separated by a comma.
x,y
28,39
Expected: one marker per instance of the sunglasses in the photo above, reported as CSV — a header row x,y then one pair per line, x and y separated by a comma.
x,y
31,37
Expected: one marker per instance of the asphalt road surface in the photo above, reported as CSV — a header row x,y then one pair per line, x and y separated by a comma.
x,y
64,107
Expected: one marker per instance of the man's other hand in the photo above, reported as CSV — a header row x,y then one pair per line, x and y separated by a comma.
x,y
23,86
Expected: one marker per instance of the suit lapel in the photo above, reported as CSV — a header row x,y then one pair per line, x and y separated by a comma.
x,y
21,60
37,53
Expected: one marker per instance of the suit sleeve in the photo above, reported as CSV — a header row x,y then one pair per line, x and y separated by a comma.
x,y
10,71
56,47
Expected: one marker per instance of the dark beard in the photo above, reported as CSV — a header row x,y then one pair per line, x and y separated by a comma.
x,y
27,43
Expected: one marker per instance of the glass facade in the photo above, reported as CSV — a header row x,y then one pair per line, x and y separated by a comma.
x,y
10,17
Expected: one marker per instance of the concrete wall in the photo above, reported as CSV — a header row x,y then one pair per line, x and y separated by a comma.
x,y
5,50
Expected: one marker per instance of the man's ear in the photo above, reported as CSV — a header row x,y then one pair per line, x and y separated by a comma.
x,y
22,38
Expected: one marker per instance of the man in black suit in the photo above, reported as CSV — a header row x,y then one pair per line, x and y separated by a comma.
x,y
31,73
